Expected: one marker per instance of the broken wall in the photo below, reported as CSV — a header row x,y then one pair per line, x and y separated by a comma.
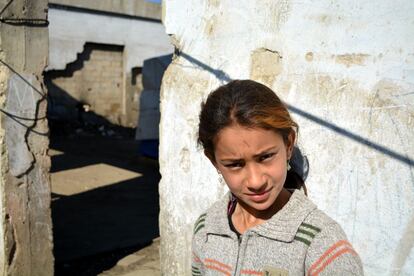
x,y
96,78
346,70
132,25
25,224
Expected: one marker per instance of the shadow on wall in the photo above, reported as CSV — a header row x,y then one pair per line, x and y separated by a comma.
x,y
224,77
94,82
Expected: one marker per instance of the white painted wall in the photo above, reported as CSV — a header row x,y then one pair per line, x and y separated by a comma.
x,y
69,30
346,68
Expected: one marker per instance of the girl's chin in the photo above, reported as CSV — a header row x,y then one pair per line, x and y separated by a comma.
x,y
259,206
260,202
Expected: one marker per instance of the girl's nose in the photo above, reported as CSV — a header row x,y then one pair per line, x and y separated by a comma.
x,y
255,179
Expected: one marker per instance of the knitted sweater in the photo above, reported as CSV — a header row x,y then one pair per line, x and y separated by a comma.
x,y
297,240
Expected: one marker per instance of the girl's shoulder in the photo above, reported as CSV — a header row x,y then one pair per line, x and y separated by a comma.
x,y
214,218
329,251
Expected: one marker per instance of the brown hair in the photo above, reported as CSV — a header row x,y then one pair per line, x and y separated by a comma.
x,y
249,104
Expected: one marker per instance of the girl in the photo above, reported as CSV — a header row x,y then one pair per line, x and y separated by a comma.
x,y
265,225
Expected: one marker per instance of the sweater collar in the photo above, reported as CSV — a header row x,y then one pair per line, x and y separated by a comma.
x,y
282,226
217,220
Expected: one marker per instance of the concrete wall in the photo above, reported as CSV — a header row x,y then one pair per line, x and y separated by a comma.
x,y
69,30
25,224
346,69
149,101
141,8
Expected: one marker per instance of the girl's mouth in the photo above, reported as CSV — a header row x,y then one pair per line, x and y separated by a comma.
x,y
260,197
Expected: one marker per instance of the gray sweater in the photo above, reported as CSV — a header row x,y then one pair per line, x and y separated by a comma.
x,y
297,240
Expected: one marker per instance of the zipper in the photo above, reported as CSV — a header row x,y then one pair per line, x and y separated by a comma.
x,y
239,242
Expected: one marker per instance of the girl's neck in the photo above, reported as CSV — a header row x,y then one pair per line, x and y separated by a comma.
x,y
244,217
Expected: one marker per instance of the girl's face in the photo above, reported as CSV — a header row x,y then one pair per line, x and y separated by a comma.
x,y
253,162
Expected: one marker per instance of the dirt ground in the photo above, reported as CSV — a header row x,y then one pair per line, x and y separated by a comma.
x,y
104,206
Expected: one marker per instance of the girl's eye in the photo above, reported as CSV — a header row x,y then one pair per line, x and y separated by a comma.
x,y
234,165
266,156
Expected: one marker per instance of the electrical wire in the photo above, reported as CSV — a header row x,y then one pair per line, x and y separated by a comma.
x,y
6,6
33,22
18,118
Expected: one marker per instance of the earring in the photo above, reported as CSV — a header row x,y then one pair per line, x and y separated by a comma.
x,y
221,180
288,166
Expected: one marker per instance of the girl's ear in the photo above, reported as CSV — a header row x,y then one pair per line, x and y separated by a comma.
x,y
290,144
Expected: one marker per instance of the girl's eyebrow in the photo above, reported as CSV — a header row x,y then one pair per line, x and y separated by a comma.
x,y
265,151
254,156
231,160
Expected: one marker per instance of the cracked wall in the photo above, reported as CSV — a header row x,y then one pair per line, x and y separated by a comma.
x,y
346,70
26,228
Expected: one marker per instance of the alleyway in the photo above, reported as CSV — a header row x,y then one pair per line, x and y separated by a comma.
x,y
104,204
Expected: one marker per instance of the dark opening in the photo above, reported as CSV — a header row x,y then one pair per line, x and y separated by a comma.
x,y
104,194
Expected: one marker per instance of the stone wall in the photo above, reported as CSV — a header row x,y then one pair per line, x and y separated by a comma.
x,y
346,70
25,227
96,78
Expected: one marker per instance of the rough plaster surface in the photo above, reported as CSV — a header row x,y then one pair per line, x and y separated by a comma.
x,y
69,30
4,76
21,102
26,227
346,69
